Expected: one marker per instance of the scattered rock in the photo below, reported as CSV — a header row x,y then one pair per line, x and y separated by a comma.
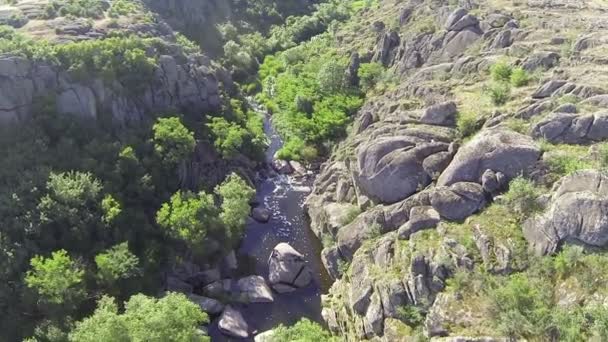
x,y
287,269
209,305
502,40
421,218
297,168
597,100
572,128
176,285
282,167
331,260
541,60
260,214
266,336
443,114
204,278
547,89
492,182
253,289
233,324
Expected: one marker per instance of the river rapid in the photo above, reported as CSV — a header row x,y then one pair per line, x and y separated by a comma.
x,y
284,196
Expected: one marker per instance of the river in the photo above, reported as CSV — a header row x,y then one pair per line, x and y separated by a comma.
x,y
284,197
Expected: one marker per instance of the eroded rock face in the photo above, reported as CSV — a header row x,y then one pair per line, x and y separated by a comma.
x,y
497,149
578,212
189,85
287,269
232,323
572,128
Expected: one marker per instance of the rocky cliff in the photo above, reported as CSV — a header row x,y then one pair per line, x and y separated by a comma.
x,y
413,197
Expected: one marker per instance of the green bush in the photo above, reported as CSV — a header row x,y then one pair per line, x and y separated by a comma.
x,y
564,164
229,137
501,72
369,74
467,123
303,331
519,77
78,8
411,315
500,93
522,196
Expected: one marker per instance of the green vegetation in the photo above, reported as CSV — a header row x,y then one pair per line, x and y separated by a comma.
x,y
312,103
369,75
172,318
500,93
116,263
467,123
519,77
78,8
58,279
522,197
303,331
172,140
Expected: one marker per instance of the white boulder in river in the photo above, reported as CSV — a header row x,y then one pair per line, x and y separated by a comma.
x,y
287,269
233,324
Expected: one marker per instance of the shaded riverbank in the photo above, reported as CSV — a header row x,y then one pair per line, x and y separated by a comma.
x,y
284,197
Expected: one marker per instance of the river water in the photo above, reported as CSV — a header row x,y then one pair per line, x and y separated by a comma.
x,y
284,197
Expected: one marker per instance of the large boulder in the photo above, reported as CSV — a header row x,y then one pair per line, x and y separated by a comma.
x,y
287,269
498,149
458,201
253,289
232,323
209,305
440,114
578,212
391,169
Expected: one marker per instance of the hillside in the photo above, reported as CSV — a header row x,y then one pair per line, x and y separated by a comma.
x,y
277,170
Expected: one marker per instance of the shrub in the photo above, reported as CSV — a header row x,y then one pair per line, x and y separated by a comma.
x,y
569,258
331,77
521,307
116,263
303,331
411,315
467,123
500,93
57,279
522,196
369,74
501,72
519,77
564,164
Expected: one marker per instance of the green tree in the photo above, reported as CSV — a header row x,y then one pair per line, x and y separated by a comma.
x,y
229,137
331,77
303,331
172,318
111,209
172,140
70,211
188,216
116,263
236,195
57,279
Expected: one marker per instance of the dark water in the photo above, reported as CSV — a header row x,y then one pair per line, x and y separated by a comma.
x,y
284,196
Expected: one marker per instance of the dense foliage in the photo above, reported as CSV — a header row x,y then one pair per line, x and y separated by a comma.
x,y
303,331
172,318
312,101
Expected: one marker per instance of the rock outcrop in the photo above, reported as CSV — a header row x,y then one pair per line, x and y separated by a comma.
x,y
572,128
578,213
497,149
287,269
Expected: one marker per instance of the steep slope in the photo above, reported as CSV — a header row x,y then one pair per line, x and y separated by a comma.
x,y
484,99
